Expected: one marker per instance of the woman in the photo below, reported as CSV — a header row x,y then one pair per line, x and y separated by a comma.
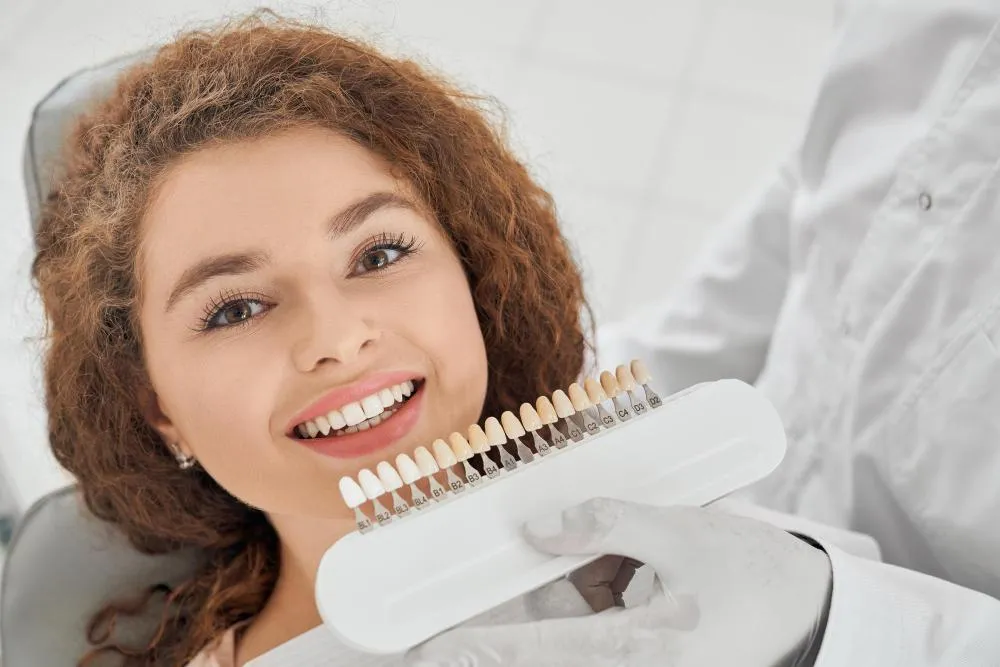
x,y
264,222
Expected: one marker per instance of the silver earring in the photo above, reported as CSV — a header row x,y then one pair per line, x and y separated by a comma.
x,y
184,461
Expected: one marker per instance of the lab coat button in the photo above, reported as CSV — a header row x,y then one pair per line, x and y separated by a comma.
x,y
925,201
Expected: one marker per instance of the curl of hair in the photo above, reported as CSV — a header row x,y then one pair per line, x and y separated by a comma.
x,y
236,82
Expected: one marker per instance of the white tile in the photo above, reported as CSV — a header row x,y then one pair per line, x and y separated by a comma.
x,y
819,10
664,243
722,149
629,38
763,54
587,131
601,230
497,23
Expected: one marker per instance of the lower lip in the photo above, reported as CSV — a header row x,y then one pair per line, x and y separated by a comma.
x,y
381,436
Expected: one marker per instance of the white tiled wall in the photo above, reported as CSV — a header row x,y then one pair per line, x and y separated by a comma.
x,y
646,118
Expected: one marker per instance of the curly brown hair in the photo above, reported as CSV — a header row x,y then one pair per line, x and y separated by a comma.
x,y
241,80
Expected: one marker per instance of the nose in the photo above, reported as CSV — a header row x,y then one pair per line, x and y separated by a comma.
x,y
332,329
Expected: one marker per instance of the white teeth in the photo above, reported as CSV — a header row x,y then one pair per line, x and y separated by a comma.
x,y
386,397
372,405
359,415
336,419
353,414
323,425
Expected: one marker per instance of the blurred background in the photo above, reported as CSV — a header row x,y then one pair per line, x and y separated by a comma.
x,y
647,119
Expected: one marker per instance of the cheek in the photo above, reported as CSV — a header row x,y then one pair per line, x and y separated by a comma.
x,y
218,400
449,334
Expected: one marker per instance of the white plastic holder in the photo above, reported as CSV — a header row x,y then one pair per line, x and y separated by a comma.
x,y
389,590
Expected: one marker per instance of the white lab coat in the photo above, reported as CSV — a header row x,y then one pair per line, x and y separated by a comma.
x,y
860,289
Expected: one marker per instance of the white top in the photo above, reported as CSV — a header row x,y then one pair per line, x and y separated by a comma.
x,y
860,289
320,648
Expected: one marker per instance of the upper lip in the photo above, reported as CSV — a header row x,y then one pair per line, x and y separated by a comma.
x,y
340,396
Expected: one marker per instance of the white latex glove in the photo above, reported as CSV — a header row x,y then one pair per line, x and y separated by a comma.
x,y
734,591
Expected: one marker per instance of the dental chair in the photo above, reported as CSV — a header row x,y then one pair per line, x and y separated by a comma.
x,y
63,564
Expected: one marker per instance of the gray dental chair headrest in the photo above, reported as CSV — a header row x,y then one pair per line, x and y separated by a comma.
x,y
63,564
52,121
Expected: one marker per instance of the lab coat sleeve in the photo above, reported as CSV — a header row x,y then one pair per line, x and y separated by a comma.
x,y
889,616
717,323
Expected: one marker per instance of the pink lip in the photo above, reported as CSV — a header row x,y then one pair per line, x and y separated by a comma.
x,y
341,396
381,436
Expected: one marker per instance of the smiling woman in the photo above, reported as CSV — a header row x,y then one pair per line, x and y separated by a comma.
x,y
276,257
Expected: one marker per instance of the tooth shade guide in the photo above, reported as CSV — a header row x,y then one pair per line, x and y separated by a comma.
x,y
723,436
444,468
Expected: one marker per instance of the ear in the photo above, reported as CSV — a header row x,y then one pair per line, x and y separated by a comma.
x,y
152,410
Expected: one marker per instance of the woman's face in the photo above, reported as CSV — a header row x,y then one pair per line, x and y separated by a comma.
x,y
286,281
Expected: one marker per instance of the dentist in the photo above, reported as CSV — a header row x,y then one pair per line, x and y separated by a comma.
x,y
860,290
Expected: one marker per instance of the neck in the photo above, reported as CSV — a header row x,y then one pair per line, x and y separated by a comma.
x,y
291,609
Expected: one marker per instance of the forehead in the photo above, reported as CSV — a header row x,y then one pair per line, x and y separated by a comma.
x,y
258,187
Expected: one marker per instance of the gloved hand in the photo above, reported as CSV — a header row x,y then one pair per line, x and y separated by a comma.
x,y
733,591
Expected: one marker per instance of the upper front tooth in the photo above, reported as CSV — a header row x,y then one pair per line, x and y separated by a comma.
x,y
323,425
397,392
353,414
336,419
372,405
386,397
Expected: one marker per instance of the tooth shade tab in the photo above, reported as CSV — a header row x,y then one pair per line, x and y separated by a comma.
x,y
408,470
478,440
370,484
546,412
578,397
595,392
529,417
624,377
352,493
442,454
494,432
562,404
388,476
511,426
459,445
425,461
640,372
610,384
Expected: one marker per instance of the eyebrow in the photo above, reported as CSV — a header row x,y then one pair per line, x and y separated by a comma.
x,y
248,262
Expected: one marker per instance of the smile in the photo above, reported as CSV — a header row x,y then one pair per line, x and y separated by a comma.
x,y
361,415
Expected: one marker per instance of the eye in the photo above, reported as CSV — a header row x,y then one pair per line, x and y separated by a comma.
x,y
378,258
383,251
233,312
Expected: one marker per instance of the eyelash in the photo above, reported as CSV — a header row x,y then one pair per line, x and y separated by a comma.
x,y
405,244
